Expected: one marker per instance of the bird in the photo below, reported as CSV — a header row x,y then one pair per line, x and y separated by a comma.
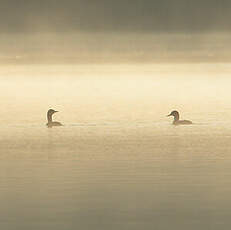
x,y
177,120
50,122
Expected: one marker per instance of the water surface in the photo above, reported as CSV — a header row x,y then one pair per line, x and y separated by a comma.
x,y
118,163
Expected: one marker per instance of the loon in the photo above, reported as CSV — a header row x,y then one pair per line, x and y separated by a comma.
x,y
177,120
51,123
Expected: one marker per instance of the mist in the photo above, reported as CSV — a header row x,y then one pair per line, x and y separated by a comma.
x,y
114,31
109,15
111,158
105,47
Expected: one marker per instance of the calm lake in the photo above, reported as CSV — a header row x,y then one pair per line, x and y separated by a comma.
x,y
117,163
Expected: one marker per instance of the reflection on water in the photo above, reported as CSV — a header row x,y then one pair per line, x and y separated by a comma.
x,y
118,162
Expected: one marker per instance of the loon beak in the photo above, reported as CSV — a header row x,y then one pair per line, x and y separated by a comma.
x,y
169,115
56,111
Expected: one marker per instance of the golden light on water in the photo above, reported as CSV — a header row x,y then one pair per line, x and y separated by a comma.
x,y
114,70
117,148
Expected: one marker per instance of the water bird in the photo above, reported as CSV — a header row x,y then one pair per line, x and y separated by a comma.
x,y
177,120
50,122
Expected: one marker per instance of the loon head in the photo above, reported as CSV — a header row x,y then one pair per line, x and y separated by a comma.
x,y
51,112
175,114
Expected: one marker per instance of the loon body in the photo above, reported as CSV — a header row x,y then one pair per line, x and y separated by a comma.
x,y
177,120
50,122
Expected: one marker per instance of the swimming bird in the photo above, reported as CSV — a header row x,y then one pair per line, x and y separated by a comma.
x,y
177,120
51,123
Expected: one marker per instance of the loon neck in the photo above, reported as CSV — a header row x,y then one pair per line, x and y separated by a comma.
x,y
49,117
176,117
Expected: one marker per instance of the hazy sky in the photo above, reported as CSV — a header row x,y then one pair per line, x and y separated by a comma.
x,y
114,15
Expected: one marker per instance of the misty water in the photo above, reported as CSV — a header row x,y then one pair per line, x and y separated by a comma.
x,y
117,163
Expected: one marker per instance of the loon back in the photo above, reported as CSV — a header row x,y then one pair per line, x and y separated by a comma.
x,y
182,122
53,123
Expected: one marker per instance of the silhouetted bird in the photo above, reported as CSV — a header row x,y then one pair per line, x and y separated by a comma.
x,y
177,120
51,123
